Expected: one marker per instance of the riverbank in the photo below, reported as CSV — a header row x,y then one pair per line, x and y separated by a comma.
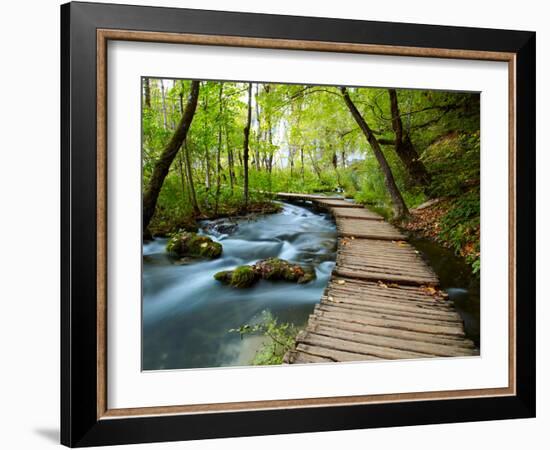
x,y
452,223
165,223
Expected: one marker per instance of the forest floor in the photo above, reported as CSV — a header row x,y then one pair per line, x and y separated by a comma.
x,y
429,221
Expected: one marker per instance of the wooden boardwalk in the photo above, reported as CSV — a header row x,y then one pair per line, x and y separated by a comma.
x,y
382,301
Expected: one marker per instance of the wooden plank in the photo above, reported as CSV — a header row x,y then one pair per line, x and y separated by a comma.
x,y
391,332
390,342
388,306
366,274
366,299
374,271
334,355
392,291
399,316
296,357
354,213
337,203
389,323
298,196
356,347
368,229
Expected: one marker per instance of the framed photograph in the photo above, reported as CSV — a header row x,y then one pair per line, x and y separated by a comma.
x,y
276,224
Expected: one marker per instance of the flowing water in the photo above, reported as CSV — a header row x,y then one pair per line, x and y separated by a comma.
x,y
187,314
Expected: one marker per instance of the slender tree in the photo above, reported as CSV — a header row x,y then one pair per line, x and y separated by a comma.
x,y
189,172
219,150
147,92
163,94
206,130
162,166
404,147
302,173
230,160
399,207
246,132
258,129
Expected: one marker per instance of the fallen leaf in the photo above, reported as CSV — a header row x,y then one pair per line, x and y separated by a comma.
x,y
383,285
341,282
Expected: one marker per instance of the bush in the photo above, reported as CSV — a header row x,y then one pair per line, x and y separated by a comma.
x,y
460,228
282,338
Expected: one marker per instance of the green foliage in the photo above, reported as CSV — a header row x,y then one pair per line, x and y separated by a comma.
x,y
460,228
282,338
304,139
453,161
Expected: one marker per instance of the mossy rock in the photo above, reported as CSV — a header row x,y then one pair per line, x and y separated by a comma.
x,y
280,269
224,276
187,243
309,275
273,269
241,277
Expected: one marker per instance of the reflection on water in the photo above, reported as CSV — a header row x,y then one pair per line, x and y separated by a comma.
x,y
457,280
186,313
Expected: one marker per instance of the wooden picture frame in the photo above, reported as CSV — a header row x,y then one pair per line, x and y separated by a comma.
x,y
85,417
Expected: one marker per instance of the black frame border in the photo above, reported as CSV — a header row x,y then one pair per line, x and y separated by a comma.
x,y
79,423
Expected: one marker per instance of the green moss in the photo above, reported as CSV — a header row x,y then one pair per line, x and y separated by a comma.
x,y
279,269
271,269
268,269
243,276
191,244
224,276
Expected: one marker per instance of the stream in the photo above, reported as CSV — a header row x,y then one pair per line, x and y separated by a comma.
x,y
456,278
187,314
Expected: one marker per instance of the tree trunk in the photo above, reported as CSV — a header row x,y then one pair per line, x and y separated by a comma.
x,y
270,156
259,130
291,151
399,208
335,165
230,160
163,164
315,167
246,132
302,166
189,171
164,119
219,151
404,147
343,157
182,177
147,92
207,181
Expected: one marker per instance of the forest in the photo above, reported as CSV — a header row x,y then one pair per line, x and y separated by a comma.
x,y
214,149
